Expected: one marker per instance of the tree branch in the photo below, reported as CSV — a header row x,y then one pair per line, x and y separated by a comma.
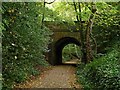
x,y
76,11
50,2
43,16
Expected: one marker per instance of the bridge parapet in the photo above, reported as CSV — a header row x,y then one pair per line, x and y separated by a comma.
x,y
60,26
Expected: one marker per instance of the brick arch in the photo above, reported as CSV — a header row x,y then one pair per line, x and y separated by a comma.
x,y
60,44
63,34
58,47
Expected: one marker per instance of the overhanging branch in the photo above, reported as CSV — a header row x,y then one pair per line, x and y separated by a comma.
x,y
50,2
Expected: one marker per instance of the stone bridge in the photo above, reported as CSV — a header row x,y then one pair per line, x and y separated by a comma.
x,y
63,34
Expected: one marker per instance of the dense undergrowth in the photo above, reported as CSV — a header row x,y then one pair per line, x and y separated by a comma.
x,y
23,42
103,73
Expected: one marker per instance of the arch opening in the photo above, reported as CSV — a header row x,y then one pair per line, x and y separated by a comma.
x,y
60,44
71,54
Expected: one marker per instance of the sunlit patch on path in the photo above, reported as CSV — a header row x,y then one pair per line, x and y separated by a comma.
x,y
72,62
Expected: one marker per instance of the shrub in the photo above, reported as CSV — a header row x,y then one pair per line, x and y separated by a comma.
x,y
23,42
102,73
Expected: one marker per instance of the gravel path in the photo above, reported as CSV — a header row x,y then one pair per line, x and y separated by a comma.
x,y
62,76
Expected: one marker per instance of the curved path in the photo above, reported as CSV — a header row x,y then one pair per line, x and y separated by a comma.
x,y
61,76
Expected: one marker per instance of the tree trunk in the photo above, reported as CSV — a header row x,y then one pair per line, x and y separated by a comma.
x,y
80,27
89,55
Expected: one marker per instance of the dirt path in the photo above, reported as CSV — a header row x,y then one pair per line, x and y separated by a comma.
x,y
62,76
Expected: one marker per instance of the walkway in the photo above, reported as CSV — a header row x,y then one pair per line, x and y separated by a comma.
x,y
61,76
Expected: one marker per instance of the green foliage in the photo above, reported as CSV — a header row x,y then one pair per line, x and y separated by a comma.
x,y
106,26
23,41
103,73
66,13
71,51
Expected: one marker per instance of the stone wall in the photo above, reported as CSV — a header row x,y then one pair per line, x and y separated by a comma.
x,y
61,32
